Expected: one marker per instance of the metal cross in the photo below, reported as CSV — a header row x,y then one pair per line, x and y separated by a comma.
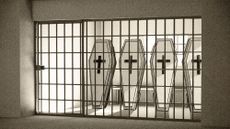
x,y
130,61
99,61
163,61
197,61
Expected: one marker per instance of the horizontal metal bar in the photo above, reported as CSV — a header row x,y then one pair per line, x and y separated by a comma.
x,y
120,117
77,68
115,86
116,19
58,21
178,52
123,35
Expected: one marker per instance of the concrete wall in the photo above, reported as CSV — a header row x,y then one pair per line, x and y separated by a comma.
x,y
216,46
72,9
16,47
9,60
27,93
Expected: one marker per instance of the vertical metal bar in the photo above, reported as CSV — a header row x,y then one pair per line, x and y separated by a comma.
x,y
41,64
81,82
56,68
80,86
72,69
192,70
87,84
201,81
83,69
155,88
165,100
121,90
64,45
129,62
146,68
183,66
95,52
174,71
36,51
111,68
35,63
138,69
49,66
103,49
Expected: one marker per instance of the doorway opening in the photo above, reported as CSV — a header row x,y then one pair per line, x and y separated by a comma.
x,y
148,68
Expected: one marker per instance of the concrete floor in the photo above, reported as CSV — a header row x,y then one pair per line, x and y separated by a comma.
x,y
141,111
59,122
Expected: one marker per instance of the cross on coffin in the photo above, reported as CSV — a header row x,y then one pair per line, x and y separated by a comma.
x,y
99,61
130,61
163,61
197,61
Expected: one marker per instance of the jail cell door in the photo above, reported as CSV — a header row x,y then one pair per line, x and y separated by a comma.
x,y
58,64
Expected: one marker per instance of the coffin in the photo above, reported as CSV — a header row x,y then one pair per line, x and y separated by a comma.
x,y
102,63
192,61
162,62
132,63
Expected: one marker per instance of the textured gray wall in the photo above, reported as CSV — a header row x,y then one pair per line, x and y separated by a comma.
x,y
78,9
16,59
216,51
27,93
9,60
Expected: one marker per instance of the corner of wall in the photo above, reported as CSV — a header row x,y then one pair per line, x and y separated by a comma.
x,y
27,92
